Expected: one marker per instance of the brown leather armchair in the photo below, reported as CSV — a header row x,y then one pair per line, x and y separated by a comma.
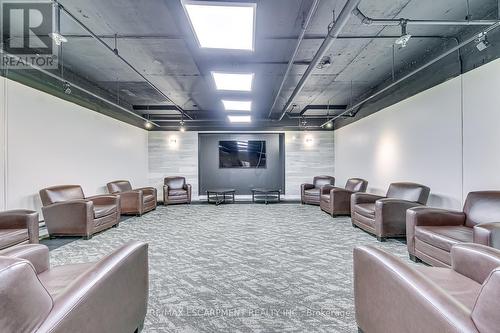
x,y
392,296
336,200
431,232
176,191
109,295
68,213
133,201
18,227
311,193
386,216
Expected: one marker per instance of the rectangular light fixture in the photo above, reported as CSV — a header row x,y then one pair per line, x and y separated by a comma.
x,y
223,25
233,81
231,105
240,119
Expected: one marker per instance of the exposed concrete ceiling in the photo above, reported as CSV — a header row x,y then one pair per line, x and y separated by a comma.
x,y
154,36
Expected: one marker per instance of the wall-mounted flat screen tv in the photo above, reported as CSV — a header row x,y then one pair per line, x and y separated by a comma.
x,y
242,154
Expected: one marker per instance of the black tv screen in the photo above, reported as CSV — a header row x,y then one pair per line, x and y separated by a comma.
x,y
242,154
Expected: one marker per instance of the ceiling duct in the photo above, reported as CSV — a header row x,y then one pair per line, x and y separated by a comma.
x,y
333,33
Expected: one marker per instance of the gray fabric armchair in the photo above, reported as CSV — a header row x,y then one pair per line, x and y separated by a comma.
x,y
311,193
386,216
337,201
109,295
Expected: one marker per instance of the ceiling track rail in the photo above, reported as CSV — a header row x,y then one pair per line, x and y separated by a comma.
x,y
333,33
289,67
115,52
403,21
419,69
57,77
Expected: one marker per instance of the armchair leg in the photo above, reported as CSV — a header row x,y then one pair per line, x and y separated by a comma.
x,y
360,330
140,327
354,226
87,237
52,237
414,258
381,239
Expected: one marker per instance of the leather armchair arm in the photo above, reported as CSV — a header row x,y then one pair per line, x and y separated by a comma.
x,y
474,260
20,219
74,215
391,296
36,254
361,198
105,199
123,276
487,234
147,190
326,189
427,216
390,216
304,187
188,188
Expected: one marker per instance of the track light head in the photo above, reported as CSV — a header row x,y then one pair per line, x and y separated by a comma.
x,y
58,38
405,36
482,42
67,88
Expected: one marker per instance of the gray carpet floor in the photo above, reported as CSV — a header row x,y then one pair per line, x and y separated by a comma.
x,y
241,268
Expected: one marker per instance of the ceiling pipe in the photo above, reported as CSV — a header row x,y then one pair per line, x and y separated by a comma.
x,y
61,7
426,65
375,21
333,33
302,33
54,76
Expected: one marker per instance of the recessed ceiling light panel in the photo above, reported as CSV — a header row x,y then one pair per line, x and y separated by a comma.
x,y
231,105
233,81
240,119
223,25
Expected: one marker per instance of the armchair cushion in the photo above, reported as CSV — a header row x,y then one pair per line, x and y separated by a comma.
x,y
104,210
176,192
409,192
444,237
61,193
312,191
482,207
366,209
175,183
36,254
11,237
119,186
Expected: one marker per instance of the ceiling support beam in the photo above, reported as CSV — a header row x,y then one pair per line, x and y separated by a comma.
x,y
303,30
426,65
333,33
402,21
115,52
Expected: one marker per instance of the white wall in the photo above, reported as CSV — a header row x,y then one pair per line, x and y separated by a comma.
x,y
51,141
307,154
446,138
482,128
